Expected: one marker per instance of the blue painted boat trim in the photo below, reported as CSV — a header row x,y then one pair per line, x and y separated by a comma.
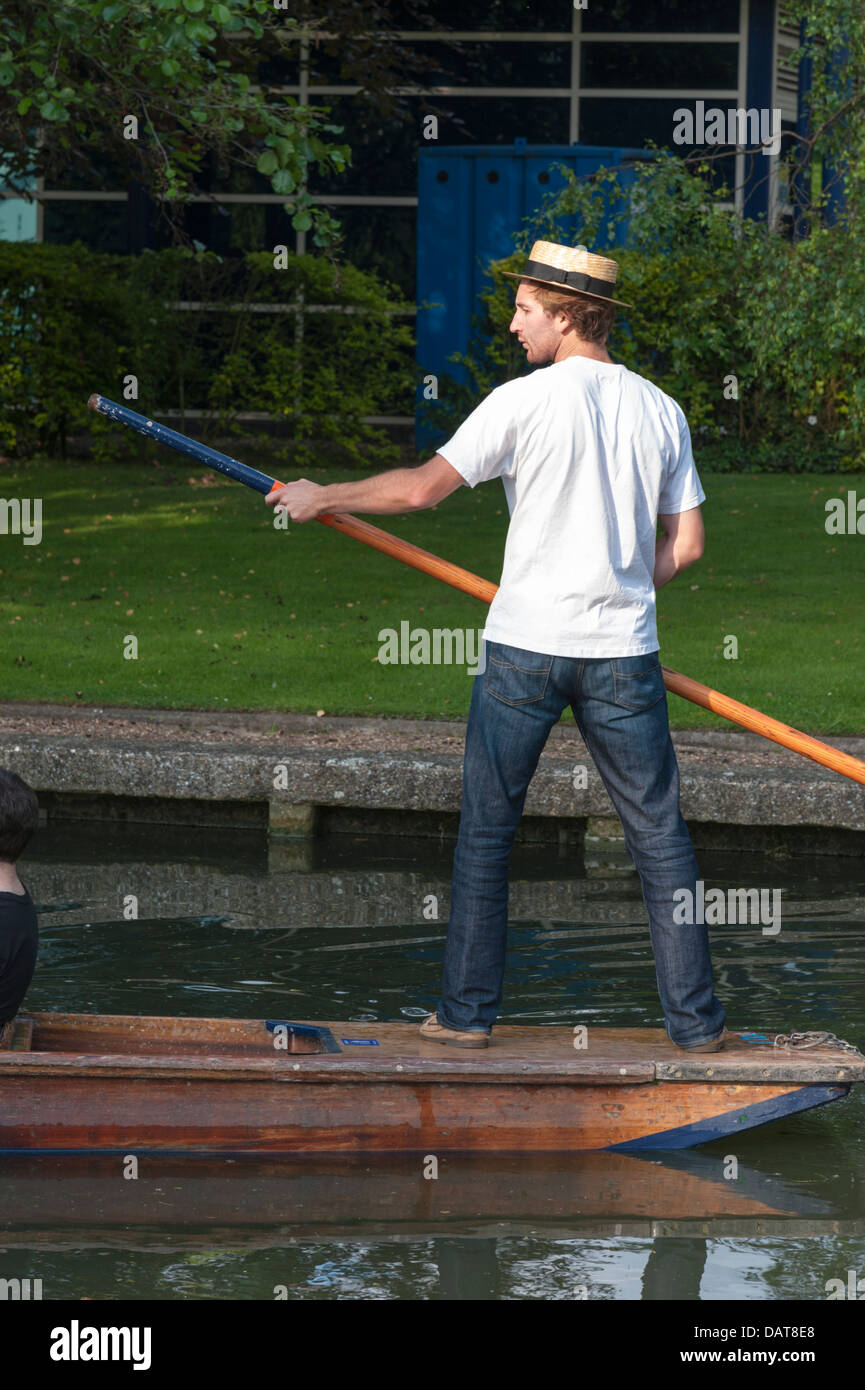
x,y
306,1030
734,1121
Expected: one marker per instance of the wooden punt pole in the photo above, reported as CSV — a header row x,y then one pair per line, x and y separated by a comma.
x,y
472,584
688,689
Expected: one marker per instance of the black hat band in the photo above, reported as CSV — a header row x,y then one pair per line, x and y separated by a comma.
x,y
574,279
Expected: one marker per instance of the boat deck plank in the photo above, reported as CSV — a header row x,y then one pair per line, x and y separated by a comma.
x,y
120,1044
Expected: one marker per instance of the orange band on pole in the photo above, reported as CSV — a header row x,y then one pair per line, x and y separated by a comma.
x,y
764,724
688,689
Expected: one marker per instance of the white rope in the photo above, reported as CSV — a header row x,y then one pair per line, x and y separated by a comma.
x,y
800,1042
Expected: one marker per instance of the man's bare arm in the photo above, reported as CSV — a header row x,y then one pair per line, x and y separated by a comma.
x,y
398,490
682,543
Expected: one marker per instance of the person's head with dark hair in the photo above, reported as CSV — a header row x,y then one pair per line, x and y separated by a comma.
x,y
19,815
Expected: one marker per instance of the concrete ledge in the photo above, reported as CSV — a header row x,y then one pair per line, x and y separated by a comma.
x,y
293,773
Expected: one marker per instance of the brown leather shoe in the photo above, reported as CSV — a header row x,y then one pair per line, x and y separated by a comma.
x,y
715,1045
433,1031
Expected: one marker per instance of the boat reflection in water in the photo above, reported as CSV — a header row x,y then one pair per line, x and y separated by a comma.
x,y
680,1201
89,1200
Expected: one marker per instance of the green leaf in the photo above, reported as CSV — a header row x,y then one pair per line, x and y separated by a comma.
x,y
193,6
52,110
267,163
170,67
196,30
24,105
282,181
7,75
284,148
301,222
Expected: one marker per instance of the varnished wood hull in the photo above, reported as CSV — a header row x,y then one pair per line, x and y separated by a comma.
x,y
176,1116
134,1086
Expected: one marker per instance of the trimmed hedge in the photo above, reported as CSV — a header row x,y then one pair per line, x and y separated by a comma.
x,y
74,321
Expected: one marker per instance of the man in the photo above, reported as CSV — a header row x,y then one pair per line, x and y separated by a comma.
x,y
592,456
19,931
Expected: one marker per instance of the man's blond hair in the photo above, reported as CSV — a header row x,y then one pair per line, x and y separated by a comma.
x,y
591,318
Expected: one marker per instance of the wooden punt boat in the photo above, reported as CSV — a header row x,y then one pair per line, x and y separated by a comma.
x,y
75,1083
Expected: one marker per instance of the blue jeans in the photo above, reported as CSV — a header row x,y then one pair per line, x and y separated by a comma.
x,y
620,707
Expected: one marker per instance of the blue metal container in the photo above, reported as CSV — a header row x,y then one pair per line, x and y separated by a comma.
x,y
472,200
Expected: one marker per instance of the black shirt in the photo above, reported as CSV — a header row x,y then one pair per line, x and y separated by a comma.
x,y
19,946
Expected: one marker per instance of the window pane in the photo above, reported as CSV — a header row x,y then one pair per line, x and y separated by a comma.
x,y
101,226
339,61
103,173
382,240
660,65
469,64
500,121
280,70
248,227
493,64
503,15
384,149
663,17
209,223
411,16
633,122
383,146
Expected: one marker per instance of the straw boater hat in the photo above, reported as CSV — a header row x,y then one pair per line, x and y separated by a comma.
x,y
571,268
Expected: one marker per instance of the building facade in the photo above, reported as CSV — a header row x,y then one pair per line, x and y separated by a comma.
x,y
489,72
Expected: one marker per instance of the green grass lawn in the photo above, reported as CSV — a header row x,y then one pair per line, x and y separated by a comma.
x,y
229,612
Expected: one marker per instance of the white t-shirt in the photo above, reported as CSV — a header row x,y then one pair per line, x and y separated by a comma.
x,y
589,454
